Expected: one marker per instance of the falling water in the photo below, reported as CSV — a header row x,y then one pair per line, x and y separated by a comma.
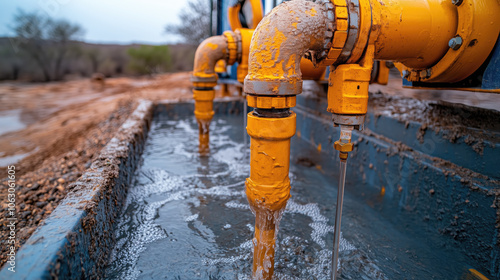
x,y
338,218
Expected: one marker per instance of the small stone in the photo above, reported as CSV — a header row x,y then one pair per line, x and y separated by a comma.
x,y
370,166
49,207
40,204
60,188
432,191
61,181
25,214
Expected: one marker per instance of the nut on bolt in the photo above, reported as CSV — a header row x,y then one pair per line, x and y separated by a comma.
x,y
406,74
455,43
343,147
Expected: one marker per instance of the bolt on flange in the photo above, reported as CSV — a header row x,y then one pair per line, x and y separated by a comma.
x,y
455,43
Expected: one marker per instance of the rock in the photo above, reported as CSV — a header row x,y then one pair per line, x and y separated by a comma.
x,y
40,204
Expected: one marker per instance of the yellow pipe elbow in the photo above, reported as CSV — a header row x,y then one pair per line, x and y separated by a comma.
x,y
278,44
208,53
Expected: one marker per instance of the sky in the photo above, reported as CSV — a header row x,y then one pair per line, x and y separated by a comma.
x,y
104,21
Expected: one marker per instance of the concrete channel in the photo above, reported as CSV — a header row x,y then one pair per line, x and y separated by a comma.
x,y
442,188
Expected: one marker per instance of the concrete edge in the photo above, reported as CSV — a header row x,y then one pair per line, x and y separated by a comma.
x,y
76,240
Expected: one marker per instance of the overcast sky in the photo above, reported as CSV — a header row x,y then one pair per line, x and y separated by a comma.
x,y
104,21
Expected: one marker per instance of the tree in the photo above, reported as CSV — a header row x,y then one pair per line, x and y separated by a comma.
x,y
45,40
195,22
149,59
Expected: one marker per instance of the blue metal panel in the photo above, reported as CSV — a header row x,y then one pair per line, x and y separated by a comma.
x,y
491,76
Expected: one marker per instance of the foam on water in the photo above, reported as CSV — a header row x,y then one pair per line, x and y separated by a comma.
x,y
216,222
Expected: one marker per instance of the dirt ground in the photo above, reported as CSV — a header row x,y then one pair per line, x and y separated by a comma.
x,y
64,125
51,132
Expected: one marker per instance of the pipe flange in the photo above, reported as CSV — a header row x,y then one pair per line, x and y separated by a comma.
x,y
478,24
239,45
316,57
340,30
197,79
352,33
232,46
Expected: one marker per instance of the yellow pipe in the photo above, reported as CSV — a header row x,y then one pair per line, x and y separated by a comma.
x,y
268,187
204,78
310,72
274,78
234,17
220,66
414,32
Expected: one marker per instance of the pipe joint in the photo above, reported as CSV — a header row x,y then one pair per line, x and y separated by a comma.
x,y
267,197
271,129
203,106
271,102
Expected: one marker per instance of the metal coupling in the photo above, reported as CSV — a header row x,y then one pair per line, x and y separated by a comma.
x,y
343,147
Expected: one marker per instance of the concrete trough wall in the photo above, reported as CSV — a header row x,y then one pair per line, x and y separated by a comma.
x,y
423,194
76,240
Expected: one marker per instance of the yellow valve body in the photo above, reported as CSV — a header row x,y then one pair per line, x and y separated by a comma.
x,y
348,89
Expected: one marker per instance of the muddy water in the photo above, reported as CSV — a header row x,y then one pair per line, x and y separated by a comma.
x,y
186,217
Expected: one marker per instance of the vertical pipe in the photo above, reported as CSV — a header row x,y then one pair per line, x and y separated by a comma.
x,y
245,136
210,32
268,187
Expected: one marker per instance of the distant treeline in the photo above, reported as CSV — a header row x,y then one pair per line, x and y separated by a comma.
x,y
84,59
